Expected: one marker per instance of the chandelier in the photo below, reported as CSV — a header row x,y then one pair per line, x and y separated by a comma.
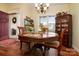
x,y
42,7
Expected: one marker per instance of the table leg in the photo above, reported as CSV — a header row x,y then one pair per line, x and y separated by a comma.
x,y
29,46
20,45
45,49
44,52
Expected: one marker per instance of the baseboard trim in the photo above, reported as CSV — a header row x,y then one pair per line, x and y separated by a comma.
x,y
76,48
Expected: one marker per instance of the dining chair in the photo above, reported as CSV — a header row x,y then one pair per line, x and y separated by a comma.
x,y
57,44
64,51
54,44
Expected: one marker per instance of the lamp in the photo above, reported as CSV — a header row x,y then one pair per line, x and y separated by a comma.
x,y
41,7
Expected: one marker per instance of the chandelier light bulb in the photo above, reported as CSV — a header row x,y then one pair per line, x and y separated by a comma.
x,y
45,8
41,3
47,4
38,8
36,5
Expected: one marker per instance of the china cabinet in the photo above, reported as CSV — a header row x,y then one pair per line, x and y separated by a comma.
x,y
64,21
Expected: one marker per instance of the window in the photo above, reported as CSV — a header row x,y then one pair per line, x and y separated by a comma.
x,y
48,22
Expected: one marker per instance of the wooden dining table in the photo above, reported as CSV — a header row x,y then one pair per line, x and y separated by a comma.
x,y
36,37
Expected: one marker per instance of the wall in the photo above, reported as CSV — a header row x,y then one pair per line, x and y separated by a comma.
x,y
74,10
24,10
3,7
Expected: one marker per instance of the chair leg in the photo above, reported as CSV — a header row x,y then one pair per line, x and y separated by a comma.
x,y
44,52
20,45
59,51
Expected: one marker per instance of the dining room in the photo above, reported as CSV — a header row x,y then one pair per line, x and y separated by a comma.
x,y
39,29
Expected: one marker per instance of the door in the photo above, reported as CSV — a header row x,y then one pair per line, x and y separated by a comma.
x,y
3,25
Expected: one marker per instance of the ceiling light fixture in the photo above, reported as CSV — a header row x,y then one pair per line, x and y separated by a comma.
x,y
41,7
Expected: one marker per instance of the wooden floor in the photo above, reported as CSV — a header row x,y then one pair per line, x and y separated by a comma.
x,y
13,50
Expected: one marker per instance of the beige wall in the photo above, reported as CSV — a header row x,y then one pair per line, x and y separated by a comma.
x,y
74,10
25,8
3,7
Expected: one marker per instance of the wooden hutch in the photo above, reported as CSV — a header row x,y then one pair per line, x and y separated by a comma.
x,y
64,21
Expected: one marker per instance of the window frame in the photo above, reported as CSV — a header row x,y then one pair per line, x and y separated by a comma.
x,y
47,20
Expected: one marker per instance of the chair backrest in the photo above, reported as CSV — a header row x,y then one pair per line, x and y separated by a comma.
x,y
21,30
62,35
